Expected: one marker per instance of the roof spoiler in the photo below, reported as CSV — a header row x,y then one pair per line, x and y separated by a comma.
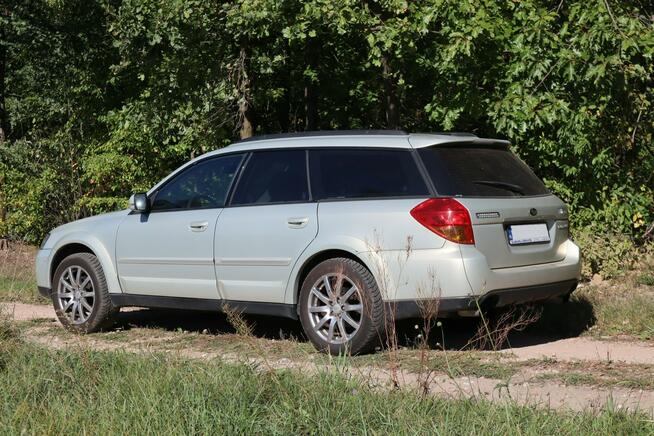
x,y
430,140
480,141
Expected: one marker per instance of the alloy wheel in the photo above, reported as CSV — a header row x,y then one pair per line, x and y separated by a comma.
x,y
76,294
335,308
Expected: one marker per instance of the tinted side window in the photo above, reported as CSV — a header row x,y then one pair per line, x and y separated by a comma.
x,y
273,177
356,173
204,185
479,172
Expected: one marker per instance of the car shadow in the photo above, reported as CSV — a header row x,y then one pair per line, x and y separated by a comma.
x,y
556,321
214,323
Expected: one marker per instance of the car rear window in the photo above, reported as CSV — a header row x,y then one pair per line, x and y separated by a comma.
x,y
473,171
357,173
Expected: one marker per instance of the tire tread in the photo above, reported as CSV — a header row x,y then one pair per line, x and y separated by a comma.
x,y
105,316
366,339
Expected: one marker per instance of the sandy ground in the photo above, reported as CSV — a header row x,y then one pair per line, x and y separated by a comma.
x,y
518,389
26,312
587,349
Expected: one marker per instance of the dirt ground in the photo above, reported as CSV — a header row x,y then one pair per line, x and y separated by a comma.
x,y
564,373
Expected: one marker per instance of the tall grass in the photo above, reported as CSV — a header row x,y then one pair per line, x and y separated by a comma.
x,y
17,281
91,392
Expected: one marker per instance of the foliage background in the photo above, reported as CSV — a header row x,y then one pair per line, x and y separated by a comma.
x,y
101,98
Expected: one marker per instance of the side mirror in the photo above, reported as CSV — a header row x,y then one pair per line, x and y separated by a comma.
x,y
139,202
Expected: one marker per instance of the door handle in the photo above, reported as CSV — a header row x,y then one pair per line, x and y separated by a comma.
x,y
297,223
198,226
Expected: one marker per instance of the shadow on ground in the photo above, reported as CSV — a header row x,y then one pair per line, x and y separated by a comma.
x,y
556,321
214,323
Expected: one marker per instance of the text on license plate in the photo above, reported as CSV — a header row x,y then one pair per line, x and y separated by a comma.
x,y
528,233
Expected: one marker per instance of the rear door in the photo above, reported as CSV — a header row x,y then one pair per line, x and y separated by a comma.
x,y
269,223
516,220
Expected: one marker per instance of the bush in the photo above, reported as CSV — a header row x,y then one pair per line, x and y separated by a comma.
x,y
606,254
41,187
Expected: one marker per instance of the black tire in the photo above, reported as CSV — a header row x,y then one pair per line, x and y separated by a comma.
x,y
102,315
371,330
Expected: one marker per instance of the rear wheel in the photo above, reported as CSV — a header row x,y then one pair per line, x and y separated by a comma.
x,y
341,308
80,295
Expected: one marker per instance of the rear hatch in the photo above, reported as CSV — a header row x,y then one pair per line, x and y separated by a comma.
x,y
516,220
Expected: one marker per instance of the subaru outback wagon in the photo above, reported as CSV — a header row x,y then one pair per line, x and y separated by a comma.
x,y
346,231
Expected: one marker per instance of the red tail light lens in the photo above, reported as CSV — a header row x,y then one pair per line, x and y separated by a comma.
x,y
447,218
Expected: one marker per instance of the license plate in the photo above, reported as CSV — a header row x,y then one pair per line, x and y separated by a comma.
x,y
528,234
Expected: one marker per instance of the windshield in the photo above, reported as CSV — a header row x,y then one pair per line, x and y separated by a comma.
x,y
473,171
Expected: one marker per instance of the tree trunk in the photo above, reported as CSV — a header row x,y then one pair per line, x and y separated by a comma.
x,y
4,128
310,87
284,103
3,205
244,85
4,125
392,101
247,121
284,108
311,107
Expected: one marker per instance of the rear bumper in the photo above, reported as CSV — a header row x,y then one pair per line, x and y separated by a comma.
x,y
482,278
490,300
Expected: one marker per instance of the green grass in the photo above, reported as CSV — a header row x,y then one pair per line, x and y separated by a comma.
x,y
645,279
619,309
588,379
450,363
453,363
91,392
23,290
624,315
17,275
570,378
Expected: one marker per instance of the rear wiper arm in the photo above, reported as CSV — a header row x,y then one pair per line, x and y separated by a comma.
x,y
504,185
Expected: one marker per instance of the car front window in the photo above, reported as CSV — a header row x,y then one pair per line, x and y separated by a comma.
x,y
203,185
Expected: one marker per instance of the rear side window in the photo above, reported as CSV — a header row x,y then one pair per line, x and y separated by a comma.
x,y
273,177
467,171
356,173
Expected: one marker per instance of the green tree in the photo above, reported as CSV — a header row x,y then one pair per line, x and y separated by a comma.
x,y
100,98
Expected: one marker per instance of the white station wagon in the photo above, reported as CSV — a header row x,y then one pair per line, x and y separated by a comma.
x,y
346,231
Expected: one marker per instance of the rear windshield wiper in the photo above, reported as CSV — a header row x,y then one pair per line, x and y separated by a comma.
x,y
503,185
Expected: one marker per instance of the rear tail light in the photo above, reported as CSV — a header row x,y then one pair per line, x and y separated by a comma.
x,y
447,218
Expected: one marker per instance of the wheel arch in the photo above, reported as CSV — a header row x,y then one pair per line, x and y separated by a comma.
x,y
84,243
320,256
63,252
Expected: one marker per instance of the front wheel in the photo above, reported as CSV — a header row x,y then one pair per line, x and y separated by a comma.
x,y
341,308
80,295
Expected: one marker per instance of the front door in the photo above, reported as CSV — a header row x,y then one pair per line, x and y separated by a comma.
x,y
269,223
170,251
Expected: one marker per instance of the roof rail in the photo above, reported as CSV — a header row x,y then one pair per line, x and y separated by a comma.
x,y
467,134
323,133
